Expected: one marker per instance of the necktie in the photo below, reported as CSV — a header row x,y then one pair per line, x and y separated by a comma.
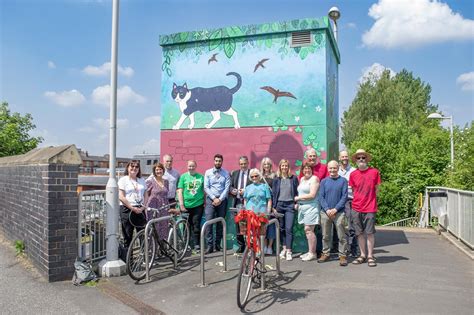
x,y
242,183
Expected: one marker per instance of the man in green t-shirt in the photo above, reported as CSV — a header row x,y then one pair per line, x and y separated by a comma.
x,y
191,197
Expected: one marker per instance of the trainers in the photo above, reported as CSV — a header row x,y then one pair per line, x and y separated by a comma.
x,y
304,255
283,254
269,251
342,261
323,258
289,256
309,257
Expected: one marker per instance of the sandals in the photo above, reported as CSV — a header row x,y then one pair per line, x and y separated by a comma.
x,y
371,262
359,260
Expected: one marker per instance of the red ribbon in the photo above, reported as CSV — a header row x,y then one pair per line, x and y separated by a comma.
x,y
254,223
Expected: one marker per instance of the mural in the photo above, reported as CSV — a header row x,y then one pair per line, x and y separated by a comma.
x,y
246,90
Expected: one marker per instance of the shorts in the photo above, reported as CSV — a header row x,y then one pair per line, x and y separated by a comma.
x,y
363,222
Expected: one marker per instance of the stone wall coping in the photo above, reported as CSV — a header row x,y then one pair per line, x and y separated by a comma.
x,y
64,154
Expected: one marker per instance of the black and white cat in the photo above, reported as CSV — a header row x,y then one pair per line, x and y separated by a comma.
x,y
215,100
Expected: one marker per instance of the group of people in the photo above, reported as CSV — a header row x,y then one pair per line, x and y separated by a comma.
x,y
336,197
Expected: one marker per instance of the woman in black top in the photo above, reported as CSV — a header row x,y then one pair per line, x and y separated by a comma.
x,y
285,188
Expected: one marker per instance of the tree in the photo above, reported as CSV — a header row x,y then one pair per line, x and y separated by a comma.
x,y
14,132
402,97
388,118
462,176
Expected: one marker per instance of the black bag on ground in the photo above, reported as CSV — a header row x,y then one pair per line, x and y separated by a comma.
x,y
82,272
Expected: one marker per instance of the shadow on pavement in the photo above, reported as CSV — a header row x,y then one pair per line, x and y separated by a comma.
x,y
276,293
390,237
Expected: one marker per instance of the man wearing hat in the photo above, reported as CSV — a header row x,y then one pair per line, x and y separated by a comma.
x,y
364,182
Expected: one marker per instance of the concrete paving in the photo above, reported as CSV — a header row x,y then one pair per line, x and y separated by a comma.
x,y
418,272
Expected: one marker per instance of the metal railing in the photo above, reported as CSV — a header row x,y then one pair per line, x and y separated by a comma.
x,y
408,222
92,225
459,218
205,226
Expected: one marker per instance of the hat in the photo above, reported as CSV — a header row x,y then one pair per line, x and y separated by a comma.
x,y
368,157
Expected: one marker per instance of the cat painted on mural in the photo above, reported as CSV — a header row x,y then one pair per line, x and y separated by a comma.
x,y
215,100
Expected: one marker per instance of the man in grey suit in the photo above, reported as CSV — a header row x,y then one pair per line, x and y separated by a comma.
x,y
239,180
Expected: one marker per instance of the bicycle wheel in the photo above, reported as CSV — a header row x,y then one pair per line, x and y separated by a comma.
x,y
246,273
182,242
136,267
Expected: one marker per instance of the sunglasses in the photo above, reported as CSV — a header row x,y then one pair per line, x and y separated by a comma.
x,y
361,158
134,166
254,176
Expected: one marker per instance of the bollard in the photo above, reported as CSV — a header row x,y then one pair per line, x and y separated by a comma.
x,y
277,255
224,247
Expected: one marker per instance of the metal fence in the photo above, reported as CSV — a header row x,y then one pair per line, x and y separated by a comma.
x,y
459,218
92,224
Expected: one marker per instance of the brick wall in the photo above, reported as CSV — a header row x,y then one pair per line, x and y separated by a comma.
x,y
39,206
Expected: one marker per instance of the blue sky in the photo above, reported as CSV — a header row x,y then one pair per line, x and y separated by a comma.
x,y
54,54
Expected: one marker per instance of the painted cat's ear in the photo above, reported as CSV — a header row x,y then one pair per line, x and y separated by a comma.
x,y
185,85
174,86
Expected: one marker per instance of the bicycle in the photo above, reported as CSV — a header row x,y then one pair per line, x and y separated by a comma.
x,y
157,246
251,269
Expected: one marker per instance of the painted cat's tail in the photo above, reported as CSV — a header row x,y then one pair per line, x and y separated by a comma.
x,y
239,82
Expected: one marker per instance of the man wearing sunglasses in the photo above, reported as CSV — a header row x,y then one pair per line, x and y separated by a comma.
x,y
364,181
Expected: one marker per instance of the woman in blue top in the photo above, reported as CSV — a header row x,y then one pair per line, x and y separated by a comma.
x,y
257,196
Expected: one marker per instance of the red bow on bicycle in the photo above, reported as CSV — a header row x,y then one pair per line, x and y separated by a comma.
x,y
254,223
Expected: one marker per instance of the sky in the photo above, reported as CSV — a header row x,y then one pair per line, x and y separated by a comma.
x,y
55,57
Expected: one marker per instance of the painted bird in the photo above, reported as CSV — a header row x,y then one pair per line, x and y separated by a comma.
x,y
213,58
277,93
260,64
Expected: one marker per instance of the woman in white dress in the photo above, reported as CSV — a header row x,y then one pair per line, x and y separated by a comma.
x,y
308,208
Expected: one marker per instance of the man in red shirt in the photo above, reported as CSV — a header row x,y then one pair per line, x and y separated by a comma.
x,y
364,182
320,170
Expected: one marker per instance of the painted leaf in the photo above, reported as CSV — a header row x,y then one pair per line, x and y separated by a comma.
x,y
168,72
304,53
164,66
215,39
304,24
275,26
298,129
181,47
312,137
295,23
266,28
314,24
235,31
229,47
279,122
183,36
284,128
165,39
298,163
268,42
275,129
297,49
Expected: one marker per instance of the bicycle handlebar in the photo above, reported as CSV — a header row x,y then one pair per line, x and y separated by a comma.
x,y
274,213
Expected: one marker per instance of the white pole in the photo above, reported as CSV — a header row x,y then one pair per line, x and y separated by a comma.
x,y
113,266
452,140
335,30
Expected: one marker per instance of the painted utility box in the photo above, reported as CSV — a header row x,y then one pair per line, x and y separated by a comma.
x,y
257,90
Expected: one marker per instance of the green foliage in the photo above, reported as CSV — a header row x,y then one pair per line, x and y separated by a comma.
x,y
14,132
388,118
19,247
462,176
402,98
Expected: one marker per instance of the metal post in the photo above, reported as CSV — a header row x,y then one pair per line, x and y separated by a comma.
x,y
262,261
175,242
112,266
452,140
205,226
277,227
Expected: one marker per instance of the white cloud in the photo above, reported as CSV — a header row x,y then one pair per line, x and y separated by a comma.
x,y
466,80
51,65
125,95
351,25
151,146
104,70
86,129
66,98
414,23
152,121
49,139
374,72
105,123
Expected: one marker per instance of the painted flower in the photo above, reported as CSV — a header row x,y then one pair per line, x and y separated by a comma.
x,y
297,118
256,115
318,108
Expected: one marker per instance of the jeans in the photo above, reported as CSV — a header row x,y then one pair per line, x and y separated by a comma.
x,y
286,222
127,227
194,219
212,212
240,238
341,226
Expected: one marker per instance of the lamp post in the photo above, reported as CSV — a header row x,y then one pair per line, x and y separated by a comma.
x,y
334,14
439,116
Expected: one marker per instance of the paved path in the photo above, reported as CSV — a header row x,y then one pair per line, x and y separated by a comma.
x,y
418,272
